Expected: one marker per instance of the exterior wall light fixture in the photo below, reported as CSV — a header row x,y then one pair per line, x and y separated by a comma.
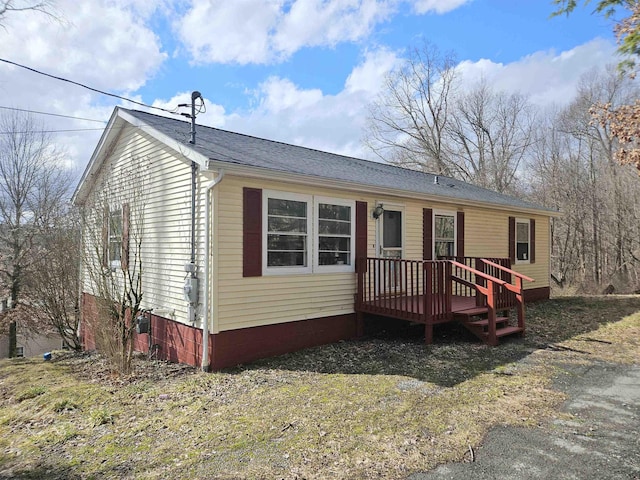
x,y
378,211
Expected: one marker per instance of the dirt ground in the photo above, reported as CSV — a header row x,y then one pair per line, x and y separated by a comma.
x,y
562,402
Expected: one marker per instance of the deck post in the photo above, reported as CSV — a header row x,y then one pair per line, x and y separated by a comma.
x,y
520,302
426,303
480,298
449,289
491,306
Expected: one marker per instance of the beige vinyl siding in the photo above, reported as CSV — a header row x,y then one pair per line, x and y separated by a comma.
x,y
167,218
246,302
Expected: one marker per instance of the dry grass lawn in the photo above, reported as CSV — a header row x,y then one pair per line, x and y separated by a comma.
x,y
381,407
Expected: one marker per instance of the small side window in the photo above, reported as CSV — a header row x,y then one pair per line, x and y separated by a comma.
x,y
19,351
115,237
444,235
523,241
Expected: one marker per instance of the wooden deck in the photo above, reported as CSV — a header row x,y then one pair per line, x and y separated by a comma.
x,y
401,307
432,292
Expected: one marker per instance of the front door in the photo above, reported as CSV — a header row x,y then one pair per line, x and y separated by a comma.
x,y
390,245
390,234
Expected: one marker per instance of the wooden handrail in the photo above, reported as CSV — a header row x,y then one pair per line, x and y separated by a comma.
x,y
479,273
508,270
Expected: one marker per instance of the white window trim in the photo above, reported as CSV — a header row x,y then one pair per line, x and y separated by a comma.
x,y
308,199
115,264
515,239
448,213
317,268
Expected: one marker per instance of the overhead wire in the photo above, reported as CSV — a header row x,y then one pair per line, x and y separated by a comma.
x,y
102,92
53,131
52,114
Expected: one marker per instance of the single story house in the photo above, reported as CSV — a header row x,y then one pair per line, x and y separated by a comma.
x,y
252,248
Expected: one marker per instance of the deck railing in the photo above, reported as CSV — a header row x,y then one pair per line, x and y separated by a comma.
x,y
396,287
422,291
505,299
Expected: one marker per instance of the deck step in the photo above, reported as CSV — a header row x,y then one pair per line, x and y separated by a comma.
x,y
503,332
500,322
472,312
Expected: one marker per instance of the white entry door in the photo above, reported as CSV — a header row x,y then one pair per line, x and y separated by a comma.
x,y
390,244
390,241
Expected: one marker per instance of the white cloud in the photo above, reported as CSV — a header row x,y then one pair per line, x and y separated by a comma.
x,y
318,22
255,31
224,31
547,77
310,118
436,6
94,42
91,45
370,74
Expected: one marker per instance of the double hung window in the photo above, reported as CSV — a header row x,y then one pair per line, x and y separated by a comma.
x,y
115,237
444,238
306,234
523,240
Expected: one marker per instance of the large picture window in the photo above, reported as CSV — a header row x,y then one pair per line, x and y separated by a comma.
x,y
523,241
444,235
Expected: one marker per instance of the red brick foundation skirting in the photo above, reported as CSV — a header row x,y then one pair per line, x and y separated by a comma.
x,y
248,344
181,343
537,294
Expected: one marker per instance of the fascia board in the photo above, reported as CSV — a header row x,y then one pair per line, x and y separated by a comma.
x,y
185,150
110,136
263,173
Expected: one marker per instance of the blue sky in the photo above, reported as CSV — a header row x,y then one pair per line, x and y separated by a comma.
x,y
300,71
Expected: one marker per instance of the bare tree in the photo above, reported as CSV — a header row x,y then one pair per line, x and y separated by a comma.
x,y
16,6
424,120
53,282
596,241
33,185
407,122
113,230
491,135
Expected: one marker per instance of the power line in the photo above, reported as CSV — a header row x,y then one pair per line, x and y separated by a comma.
x,y
53,114
52,131
102,92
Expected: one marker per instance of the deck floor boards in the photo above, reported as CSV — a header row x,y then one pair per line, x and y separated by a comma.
x,y
413,306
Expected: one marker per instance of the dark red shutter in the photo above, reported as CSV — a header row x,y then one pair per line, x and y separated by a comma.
x,y
362,216
532,243
512,239
427,234
460,235
252,232
105,236
126,221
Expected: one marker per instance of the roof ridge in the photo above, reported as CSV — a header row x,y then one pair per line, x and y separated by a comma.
x,y
247,135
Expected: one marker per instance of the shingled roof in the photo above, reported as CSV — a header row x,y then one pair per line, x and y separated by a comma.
x,y
244,150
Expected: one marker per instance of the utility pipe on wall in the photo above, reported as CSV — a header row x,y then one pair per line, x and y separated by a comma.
x,y
207,261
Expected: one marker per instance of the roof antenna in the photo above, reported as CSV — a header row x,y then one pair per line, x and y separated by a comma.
x,y
195,95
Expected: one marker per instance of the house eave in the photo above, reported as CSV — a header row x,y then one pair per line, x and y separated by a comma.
x,y
264,173
118,121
